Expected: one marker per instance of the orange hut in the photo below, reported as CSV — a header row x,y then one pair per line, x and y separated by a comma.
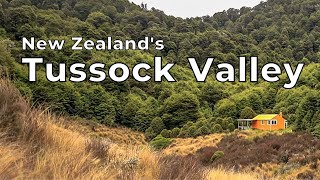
x,y
264,122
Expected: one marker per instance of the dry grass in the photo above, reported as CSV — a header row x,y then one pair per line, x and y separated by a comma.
x,y
227,175
252,134
120,135
191,145
34,144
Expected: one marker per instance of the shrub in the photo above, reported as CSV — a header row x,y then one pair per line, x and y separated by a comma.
x,y
224,124
192,131
204,130
231,127
183,133
240,152
201,122
175,132
157,125
188,124
316,131
150,134
160,142
166,133
217,155
217,128
247,113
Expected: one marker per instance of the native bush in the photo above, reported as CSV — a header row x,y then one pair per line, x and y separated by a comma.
x,y
160,142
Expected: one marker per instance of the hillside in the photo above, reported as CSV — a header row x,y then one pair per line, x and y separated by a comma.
x,y
275,31
152,130
35,144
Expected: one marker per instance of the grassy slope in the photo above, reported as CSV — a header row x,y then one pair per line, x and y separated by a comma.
x,y
35,144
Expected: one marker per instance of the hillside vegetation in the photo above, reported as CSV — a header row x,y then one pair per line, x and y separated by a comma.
x,y
34,144
181,130
275,31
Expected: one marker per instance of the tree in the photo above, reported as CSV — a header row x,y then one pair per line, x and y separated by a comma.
x,y
231,127
204,130
307,114
192,131
157,125
132,105
316,131
217,128
97,19
175,132
212,93
166,133
181,108
225,108
247,113
225,35
150,134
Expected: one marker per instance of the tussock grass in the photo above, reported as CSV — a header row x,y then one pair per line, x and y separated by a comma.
x,y
186,146
227,175
35,144
120,135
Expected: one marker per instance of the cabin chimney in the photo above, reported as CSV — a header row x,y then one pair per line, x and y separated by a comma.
x,y
281,114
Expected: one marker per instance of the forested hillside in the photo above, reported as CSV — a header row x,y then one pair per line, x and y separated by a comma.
x,y
276,31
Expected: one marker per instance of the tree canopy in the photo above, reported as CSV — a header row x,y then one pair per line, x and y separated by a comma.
x,y
275,31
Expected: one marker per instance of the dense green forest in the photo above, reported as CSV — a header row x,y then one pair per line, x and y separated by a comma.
x,y
276,31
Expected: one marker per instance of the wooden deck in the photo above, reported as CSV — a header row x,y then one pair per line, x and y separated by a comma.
x,y
244,124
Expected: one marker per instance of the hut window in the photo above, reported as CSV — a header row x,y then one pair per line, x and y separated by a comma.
x,y
262,122
274,122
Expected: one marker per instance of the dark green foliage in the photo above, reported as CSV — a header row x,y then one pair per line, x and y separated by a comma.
x,y
192,131
316,131
157,125
247,113
308,112
166,133
231,127
180,108
276,31
150,134
160,142
217,128
212,93
204,130
175,132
